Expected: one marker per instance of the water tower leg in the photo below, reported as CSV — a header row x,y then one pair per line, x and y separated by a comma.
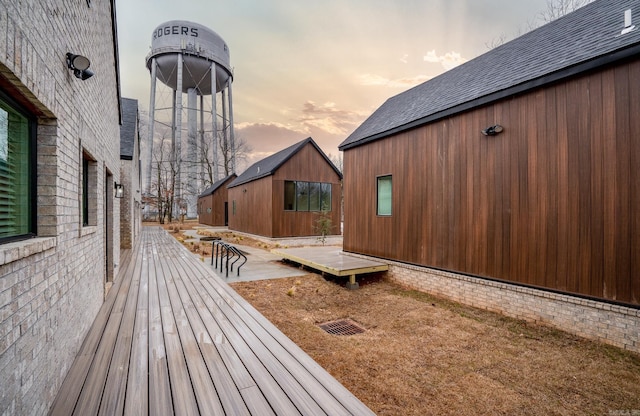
x,y
191,159
152,111
201,149
178,132
214,117
224,136
231,132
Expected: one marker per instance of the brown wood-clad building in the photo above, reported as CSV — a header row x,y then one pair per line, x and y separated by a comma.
x,y
552,201
285,194
213,203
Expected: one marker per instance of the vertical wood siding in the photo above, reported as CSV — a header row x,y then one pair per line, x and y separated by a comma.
x,y
260,210
253,208
553,201
215,201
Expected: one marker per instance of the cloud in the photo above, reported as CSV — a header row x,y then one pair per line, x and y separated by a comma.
x,y
328,117
448,60
269,137
378,80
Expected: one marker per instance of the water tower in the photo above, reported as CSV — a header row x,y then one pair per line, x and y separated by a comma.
x,y
193,60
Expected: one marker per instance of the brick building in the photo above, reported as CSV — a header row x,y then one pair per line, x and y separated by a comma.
x,y
130,179
59,162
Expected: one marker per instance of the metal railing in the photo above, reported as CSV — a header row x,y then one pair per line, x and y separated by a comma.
x,y
227,254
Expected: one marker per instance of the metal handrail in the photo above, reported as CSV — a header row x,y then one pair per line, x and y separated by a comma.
x,y
222,249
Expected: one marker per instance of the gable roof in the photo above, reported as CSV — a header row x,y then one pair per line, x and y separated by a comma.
x,y
580,41
128,128
216,185
269,165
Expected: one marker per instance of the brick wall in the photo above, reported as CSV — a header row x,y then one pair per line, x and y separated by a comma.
x,y
612,324
52,286
126,206
130,203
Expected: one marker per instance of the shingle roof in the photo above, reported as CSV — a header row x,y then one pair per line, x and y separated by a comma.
x,y
268,165
216,185
577,42
128,128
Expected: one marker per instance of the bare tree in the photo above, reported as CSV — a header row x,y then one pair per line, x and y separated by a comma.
x,y
241,151
163,185
558,8
336,160
554,10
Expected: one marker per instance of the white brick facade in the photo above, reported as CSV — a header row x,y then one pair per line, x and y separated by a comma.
x,y
52,286
609,323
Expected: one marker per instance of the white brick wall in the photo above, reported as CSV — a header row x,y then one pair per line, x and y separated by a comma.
x,y
51,287
612,324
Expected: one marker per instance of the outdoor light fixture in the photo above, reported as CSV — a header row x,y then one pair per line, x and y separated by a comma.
x,y
80,66
119,190
493,130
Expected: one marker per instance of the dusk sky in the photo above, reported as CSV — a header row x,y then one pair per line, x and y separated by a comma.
x,y
319,68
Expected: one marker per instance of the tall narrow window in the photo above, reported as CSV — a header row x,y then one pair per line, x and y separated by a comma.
x,y
314,196
89,190
289,196
85,191
16,174
325,199
384,195
302,196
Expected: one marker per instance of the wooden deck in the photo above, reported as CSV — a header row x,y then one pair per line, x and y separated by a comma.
x,y
172,338
332,260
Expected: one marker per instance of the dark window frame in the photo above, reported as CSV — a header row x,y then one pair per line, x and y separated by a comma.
x,y
89,190
378,179
322,187
31,120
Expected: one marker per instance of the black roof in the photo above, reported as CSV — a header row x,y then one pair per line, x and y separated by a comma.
x,y
580,41
216,185
128,129
270,164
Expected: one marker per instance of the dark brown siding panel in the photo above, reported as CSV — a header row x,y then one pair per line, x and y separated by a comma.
x,y
623,182
634,127
215,202
204,203
609,180
550,202
550,148
252,207
596,132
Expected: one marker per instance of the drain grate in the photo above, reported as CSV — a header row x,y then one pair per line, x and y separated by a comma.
x,y
342,327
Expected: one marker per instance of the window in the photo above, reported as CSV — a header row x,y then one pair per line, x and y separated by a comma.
x,y
89,190
302,196
314,196
289,196
17,219
307,196
384,195
325,197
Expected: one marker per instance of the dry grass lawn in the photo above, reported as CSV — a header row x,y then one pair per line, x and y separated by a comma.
x,y
422,355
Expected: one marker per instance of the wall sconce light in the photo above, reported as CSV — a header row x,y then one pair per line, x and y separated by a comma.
x,y
119,190
80,66
493,130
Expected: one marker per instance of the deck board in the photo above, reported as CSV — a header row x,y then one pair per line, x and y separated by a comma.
x,y
331,260
173,338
